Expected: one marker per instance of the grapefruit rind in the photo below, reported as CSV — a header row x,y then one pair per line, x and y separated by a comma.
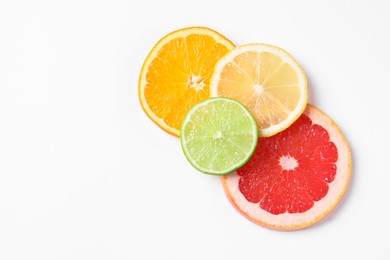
x,y
320,209
184,32
261,47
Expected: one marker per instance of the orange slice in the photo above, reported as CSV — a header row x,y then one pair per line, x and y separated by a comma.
x,y
176,74
267,80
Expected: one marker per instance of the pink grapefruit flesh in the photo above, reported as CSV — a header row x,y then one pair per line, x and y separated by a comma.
x,y
294,178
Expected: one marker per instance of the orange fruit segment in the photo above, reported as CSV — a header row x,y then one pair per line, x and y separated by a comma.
x,y
176,74
267,80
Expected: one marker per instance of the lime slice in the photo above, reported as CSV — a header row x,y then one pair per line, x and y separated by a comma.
x,y
218,135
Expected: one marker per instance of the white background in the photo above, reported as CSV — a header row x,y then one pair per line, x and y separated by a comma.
x,y
84,174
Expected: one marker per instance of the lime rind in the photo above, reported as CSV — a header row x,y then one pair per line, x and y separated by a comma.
x,y
218,135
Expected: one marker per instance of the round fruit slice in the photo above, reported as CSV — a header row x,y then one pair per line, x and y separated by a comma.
x,y
267,80
176,74
218,136
294,178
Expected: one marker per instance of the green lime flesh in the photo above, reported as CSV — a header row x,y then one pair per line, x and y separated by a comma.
x,y
218,135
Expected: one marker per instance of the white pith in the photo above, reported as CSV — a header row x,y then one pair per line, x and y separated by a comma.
x,y
288,163
196,82
258,88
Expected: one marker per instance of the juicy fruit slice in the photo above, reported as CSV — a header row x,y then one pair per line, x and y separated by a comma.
x,y
176,74
294,178
267,80
218,136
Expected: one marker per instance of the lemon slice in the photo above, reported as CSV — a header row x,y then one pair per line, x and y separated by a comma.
x,y
267,80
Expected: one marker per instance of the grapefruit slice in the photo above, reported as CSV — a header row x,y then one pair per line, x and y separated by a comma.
x,y
294,178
